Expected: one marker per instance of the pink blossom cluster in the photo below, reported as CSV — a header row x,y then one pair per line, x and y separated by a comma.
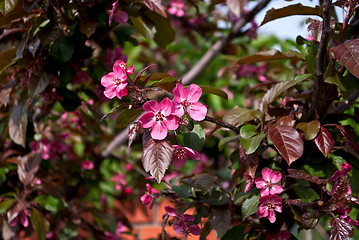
x,y
121,183
176,8
116,81
269,201
149,197
183,223
20,218
249,71
161,117
117,15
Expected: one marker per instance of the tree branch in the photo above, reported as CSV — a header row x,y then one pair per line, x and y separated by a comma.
x,y
347,102
321,56
221,123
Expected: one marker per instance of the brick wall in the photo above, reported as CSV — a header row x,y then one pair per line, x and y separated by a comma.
x,y
147,223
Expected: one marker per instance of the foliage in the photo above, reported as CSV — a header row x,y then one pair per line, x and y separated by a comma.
x,y
79,78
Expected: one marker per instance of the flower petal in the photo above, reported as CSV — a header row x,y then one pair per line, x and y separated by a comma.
x,y
165,106
194,93
147,120
107,80
179,93
192,153
267,174
151,106
177,109
171,122
271,216
197,111
260,183
159,131
275,189
110,91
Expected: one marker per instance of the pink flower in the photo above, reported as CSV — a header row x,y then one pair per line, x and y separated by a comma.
x,y
87,165
269,204
183,223
123,65
187,100
181,154
115,83
250,181
118,15
176,8
346,168
310,38
268,182
21,217
149,197
159,117
120,181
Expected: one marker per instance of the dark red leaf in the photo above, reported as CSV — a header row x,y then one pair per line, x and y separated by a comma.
x,y
287,141
340,229
301,174
348,55
347,132
286,120
324,141
315,28
341,194
132,132
17,124
220,220
157,6
249,162
156,157
28,167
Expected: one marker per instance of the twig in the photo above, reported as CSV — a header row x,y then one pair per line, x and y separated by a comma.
x,y
221,123
347,102
319,71
216,48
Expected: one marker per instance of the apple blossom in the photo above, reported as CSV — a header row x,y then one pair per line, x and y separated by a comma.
x,y
116,14
182,153
115,83
120,181
176,8
183,223
250,181
269,204
187,100
268,182
149,197
123,65
159,117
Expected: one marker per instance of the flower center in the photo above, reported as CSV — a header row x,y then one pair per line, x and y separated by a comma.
x,y
123,65
181,153
117,81
270,205
159,116
186,103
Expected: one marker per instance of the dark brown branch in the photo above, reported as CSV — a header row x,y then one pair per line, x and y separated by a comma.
x,y
347,102
221,123
218,46
321,56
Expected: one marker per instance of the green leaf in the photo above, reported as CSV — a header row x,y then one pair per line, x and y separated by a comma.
x,y
183,190
296,9
235,233
6,203
248,131
50,203
237,116
62,49
250,206
269,55
224,141
195,139
126,116
7,6
306,194
68,232
250,145
164,31
215,91
310,129
40,223
220,220
18,124
142,27
332,76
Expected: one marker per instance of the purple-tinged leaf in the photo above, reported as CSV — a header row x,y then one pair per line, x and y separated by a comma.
x,y
347,132
286,120
28,167
220,220
214,91
315,28
287,141
38,84
296,9
274,92
310,129
249,162
341,194
15,210
17,124
324,141
301,174
205,182
157,6
340,229
156,157
347,54
5,96
132,132
270,55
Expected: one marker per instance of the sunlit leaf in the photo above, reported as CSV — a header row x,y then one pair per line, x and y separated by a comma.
x,y
220,220
142,27
340,229
269,55
215,91
274,92
348,55
157,6
28,167
248,131
296,9
7,6
40,223
250,145
324,141
237,116
156,157
132,132
310,129
250,206
286,120
126,116
287,141
18,124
